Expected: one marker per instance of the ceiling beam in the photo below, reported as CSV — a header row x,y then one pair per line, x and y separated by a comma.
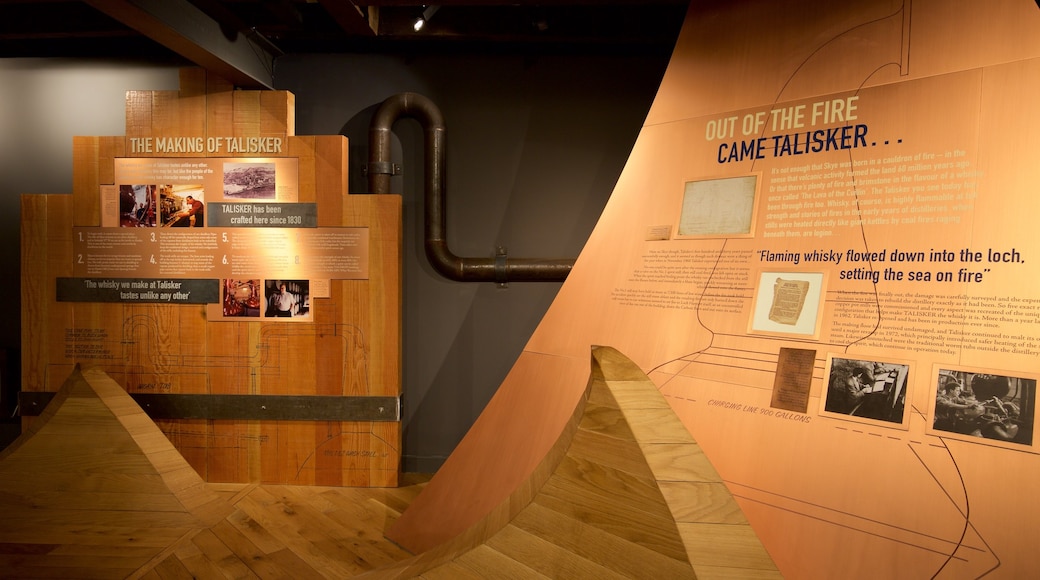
x,y
352,18
245,59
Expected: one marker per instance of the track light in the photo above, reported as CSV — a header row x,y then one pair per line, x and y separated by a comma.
x,y
427,14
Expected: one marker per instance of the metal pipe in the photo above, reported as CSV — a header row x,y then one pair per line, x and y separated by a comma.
x,y
499,269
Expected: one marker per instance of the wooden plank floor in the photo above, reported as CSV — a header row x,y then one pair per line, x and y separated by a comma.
x,y
94,490
280,531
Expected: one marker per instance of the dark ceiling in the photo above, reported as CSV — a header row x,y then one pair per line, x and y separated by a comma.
x,y
241,39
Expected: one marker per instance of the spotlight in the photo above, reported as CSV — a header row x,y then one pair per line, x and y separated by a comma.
x,y
427,14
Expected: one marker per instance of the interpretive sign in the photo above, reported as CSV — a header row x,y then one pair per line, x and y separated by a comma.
x,y
142,290
331,253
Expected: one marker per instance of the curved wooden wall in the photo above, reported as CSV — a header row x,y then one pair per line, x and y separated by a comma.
x,y
942,176
629,495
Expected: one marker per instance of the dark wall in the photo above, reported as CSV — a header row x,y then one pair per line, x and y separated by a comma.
x,y
534,147
43,104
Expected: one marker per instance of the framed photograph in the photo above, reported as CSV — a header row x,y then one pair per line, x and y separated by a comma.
x,y
288,300
984,406
718,207
787,303
182,206
241,298
867,390
249,181
137,206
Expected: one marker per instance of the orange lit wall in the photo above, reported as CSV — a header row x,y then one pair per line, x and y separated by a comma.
x,y
891,147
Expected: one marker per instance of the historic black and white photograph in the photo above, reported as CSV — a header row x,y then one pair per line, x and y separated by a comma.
x,y
984,405
249,180
867,389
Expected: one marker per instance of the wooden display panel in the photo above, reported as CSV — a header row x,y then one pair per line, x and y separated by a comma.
x,y
348,346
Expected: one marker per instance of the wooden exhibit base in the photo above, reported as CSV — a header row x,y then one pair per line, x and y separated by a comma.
x,y
95,489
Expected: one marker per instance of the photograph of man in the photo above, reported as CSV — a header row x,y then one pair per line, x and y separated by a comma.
x,y
189,213
283,302
287,299
868,389
196,212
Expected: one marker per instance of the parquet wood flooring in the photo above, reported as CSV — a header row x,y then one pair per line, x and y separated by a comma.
x,y
94,490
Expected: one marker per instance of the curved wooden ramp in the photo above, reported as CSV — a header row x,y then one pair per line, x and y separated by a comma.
x,y
94,489
625,493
